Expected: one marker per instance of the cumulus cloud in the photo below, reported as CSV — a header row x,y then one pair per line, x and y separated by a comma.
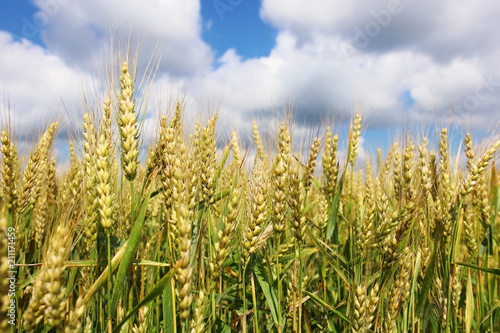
x,y
80,30
321,79
445,29
395,58
34,82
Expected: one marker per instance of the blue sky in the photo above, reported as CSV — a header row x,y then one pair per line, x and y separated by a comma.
x,y
237,26
14,16
400,61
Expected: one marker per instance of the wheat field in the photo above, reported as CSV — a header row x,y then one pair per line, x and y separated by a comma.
x,y
198,238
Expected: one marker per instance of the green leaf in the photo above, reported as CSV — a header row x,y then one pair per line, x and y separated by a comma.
x,y
469,305
102,238
223,160
128,256
414,284
426,284
329,258
27,281
150,263
488,315
163,284
332,214
272,300
316,183
217,197
222,327
104,275
495,271
495,190
327,306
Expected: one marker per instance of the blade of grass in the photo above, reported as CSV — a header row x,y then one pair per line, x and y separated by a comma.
x,y
222,327
328,307
169,320
130,250
490,313
217,197
263,277
103,278
329,258
157,290
494,271
495,190
223,160
332,214
414,285
426,284
469,305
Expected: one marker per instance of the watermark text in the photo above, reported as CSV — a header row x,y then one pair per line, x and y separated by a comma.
x,y
364,35
48,10
221,7
11,275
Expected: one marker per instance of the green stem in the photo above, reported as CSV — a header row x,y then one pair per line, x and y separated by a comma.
x,y
300,288
212,299
131,203
109,282
244,317
254,300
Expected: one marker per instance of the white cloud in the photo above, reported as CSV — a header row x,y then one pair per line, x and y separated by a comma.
x,y
317,76
80,30
436,53
34,82
444,29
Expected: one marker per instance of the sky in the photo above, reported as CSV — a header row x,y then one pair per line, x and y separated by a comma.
x,y
398,61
